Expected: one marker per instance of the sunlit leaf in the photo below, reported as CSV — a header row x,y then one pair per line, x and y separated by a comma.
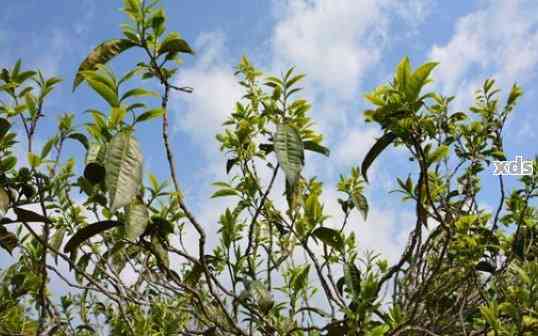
x,y
105,92
137,219
403,73
138,92
418,80
361,203
123,169
4,202
289,150
159,251
352,278
150,114
101,55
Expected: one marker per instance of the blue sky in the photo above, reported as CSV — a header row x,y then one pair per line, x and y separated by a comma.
x,y
346,47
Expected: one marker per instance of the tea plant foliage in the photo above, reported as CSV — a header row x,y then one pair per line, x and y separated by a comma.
x,y
278,267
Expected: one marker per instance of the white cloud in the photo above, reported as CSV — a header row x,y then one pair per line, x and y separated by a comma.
x,y
333,42
338,44
215,92
499,41
385,231
355,144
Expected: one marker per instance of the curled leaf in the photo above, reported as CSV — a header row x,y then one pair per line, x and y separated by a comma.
x,y
373,153
101,55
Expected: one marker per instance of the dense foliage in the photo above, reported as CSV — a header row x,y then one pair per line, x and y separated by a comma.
x,y
278,267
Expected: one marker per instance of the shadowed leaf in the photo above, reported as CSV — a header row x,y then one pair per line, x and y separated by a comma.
x,y
87,232
95,157
24,215
315,147
330,237
4,127
372,154
175,44
8,241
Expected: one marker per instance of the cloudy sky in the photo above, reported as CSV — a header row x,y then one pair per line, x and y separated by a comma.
x,y
346,47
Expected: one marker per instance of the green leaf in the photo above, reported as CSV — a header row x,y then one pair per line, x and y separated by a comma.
x,y
380,330
193,275
330,237
137,219
403,73
151,114
373,153
300,281
95,158
101,55
294,80
133,8
418,80
499,155
48,147
123,167
8,241
361,203
352,278
8,163
33,160
57,239
138,92
159,251
261,295
4,127
225,192
315,147
157,22
80,138
116,116
4,202
104,91
173,43
439,154
87,232
289,151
